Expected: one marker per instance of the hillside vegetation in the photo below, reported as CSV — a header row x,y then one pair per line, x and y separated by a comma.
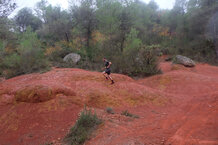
x,y
130,33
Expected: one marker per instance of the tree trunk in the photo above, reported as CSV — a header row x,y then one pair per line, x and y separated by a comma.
x,y
88,38
67,37
122,44
216,47
215,35
89,33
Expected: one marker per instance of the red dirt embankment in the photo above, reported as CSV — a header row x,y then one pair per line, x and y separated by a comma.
x,y
178,107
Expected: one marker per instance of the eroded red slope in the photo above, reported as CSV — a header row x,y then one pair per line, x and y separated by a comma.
x,y
177,107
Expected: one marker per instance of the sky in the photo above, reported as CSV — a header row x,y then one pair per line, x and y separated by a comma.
x,y
163,4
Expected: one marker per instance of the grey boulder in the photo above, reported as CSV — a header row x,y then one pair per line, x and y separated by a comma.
x,y
72,57
179,59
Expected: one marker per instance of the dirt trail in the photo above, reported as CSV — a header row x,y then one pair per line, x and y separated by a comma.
x,y
178,107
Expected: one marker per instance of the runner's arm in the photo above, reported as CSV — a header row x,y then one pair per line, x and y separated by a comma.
x,y
109,65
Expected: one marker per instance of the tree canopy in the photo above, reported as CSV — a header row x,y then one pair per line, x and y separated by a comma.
x,y
117,29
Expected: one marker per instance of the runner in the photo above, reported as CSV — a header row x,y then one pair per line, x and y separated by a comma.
x,y
107,71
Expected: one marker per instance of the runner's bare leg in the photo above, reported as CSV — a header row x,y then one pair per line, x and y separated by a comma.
x,y
110,77
104,74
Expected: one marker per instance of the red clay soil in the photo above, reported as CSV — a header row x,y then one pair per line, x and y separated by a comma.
x,y
178,107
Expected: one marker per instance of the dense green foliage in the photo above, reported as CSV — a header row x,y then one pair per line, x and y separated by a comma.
x,y
130,33
83,128
109,110
27,58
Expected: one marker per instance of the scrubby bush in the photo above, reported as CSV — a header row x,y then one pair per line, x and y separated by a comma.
x,y
142,62
31,53
132,42
148,63
109,110
29,57
203,51
2,45
57,52
83,128
10,65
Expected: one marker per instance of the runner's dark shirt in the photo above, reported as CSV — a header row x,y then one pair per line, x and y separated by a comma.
x,y
106,63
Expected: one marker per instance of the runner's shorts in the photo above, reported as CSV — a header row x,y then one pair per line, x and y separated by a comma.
x,y
108,71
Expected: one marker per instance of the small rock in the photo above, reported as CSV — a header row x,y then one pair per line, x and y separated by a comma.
x,y
30,135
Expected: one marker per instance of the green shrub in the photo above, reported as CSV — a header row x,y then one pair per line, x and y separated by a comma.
x,y
148,63
132,42
199,49
83,128
142,62
31,53
2,45
10,65
28,58
60,50
109,110
203,51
